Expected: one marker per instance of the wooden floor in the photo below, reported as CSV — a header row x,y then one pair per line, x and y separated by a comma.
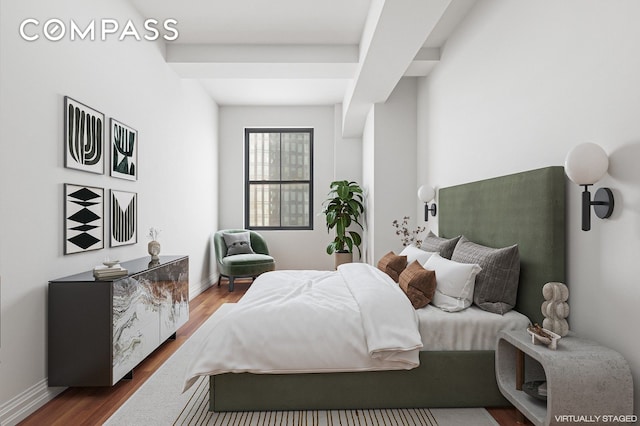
x,y
93,406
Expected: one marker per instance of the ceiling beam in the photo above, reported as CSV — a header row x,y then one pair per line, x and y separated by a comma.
x,y
423,63
400,38
263,61
394,34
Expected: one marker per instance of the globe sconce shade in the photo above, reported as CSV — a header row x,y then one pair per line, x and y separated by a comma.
x,y
585,165
426,193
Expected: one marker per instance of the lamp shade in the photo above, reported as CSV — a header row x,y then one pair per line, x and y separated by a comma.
x,y
586,164
426,193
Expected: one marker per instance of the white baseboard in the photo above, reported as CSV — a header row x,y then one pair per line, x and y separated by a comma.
x,y
20,407
202,286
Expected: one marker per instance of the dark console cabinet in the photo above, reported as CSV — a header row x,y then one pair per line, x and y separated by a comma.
x,y
99,330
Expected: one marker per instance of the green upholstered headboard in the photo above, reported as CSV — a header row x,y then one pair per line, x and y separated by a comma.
x,y
526,208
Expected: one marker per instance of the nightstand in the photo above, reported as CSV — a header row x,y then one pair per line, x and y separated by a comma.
x,y
586,382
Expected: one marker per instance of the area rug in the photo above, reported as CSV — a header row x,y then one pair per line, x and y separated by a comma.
x,y
159,401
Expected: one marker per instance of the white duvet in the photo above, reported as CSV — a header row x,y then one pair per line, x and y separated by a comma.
x,y
352,319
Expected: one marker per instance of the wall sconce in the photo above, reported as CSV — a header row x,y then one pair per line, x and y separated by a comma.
x,y
585,165
426,193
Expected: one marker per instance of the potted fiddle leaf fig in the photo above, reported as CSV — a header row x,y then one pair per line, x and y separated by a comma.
x,y
343,208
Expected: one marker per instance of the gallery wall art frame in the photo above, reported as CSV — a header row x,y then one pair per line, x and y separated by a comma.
x,y
83,137
83,218
123,229
124,150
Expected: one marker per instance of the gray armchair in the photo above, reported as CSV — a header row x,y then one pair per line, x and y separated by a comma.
x,y
242,265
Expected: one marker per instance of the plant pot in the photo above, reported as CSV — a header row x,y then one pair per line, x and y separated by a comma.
x,y
343,257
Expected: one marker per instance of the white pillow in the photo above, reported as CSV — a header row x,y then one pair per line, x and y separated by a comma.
x,y
455,283
415,253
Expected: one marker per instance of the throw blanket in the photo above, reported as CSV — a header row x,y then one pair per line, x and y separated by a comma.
x,y
352,319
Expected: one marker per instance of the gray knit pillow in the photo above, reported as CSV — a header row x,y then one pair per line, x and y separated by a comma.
x,y
238,243
496,287
438,244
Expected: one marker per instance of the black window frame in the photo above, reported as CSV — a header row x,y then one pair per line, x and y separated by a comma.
x,y
247,182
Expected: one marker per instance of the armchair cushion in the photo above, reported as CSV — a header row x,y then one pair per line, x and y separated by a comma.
x,y
247,264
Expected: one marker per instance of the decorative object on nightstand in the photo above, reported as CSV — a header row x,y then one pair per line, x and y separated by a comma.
x,y
542,336
154,246
555,308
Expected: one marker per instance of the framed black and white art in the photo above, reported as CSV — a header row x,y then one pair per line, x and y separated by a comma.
x,y
124,151
83,137
124,218
83,218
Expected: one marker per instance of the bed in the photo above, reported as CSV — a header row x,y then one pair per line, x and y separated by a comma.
x,y
526,208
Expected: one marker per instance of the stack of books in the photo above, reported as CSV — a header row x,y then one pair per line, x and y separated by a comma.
x,y
103,272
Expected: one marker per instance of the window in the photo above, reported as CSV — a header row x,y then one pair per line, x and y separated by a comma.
x,y
278,178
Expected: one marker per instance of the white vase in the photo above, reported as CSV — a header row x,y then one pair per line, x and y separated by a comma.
x,y
154,249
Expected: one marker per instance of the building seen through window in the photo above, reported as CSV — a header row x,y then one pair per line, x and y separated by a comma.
x,y
278,178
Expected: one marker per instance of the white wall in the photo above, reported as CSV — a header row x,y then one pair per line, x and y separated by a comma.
x,y
369,183
519,84
291,249
389,150
347,152
127,80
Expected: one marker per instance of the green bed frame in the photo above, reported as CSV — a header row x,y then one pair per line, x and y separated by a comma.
x,y
526,208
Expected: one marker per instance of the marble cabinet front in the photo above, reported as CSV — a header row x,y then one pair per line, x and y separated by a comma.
x,y
147,309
